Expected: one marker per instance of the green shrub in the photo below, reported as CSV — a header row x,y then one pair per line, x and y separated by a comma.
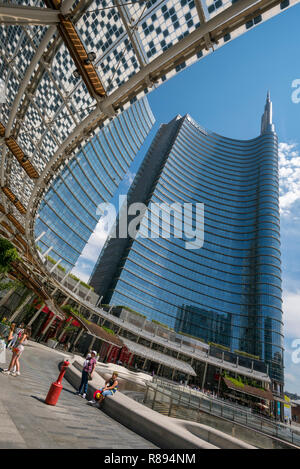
x,y
86,285
248,355
110,331
162,324
130,310
237,382
222,347
50,259
81,282
75,313
8,254
192,336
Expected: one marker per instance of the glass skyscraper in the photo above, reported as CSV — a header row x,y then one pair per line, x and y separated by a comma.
x,y
67,216
228,291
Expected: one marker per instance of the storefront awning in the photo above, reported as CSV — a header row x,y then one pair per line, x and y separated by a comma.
x,y
101,334
250,390
93,329
166,360
280,399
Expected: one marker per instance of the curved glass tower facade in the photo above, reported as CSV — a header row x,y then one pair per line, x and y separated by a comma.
x,y
67,214
229,291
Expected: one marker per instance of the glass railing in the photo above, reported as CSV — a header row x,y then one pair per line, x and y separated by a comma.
x,y
179,402
198,347
244,362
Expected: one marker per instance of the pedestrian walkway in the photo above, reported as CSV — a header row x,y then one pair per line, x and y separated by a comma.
x,y
27,422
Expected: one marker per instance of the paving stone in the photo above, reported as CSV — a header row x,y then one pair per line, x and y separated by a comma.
x,y
27,422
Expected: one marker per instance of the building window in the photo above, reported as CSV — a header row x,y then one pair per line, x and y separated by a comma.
x,y
284,4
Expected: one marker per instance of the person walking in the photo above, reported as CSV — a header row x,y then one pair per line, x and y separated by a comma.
x,y
17,352
20,330
11,334
67,346
18,334
87,373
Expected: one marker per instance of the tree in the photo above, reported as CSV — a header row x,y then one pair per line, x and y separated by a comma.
x,y
8,254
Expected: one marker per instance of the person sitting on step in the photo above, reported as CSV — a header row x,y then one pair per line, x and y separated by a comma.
x,y
110,388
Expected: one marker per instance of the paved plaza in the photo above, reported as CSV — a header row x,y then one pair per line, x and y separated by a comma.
x,y
27,422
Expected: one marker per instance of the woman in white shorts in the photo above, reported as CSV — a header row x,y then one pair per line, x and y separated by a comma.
x,y
17,352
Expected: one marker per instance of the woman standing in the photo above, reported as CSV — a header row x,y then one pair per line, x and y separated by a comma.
x,y
11,334
17,335
17,352
87,372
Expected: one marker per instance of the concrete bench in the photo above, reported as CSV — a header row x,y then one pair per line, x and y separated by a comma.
x,y
163,431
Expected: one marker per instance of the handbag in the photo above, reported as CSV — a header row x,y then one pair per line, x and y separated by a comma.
x,y
90,377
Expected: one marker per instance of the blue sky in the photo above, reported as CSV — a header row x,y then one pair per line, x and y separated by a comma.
x,y
225,92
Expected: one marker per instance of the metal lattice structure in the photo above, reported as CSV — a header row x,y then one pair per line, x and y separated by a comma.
x,y
70,66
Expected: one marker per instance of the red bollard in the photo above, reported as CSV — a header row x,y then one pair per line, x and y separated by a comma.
x,y
56,387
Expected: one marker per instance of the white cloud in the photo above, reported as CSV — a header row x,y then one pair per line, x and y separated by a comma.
x,y
92,249
290,377
80,274
291,317
291,309
289,176
128,179
291,374
95,243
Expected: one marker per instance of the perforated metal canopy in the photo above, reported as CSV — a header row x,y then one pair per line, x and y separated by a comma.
x,y
68,66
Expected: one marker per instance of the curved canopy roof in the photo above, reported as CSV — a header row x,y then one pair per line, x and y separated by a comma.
x,y
69,66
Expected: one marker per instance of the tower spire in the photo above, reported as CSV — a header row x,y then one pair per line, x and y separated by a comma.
x,y
266,120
